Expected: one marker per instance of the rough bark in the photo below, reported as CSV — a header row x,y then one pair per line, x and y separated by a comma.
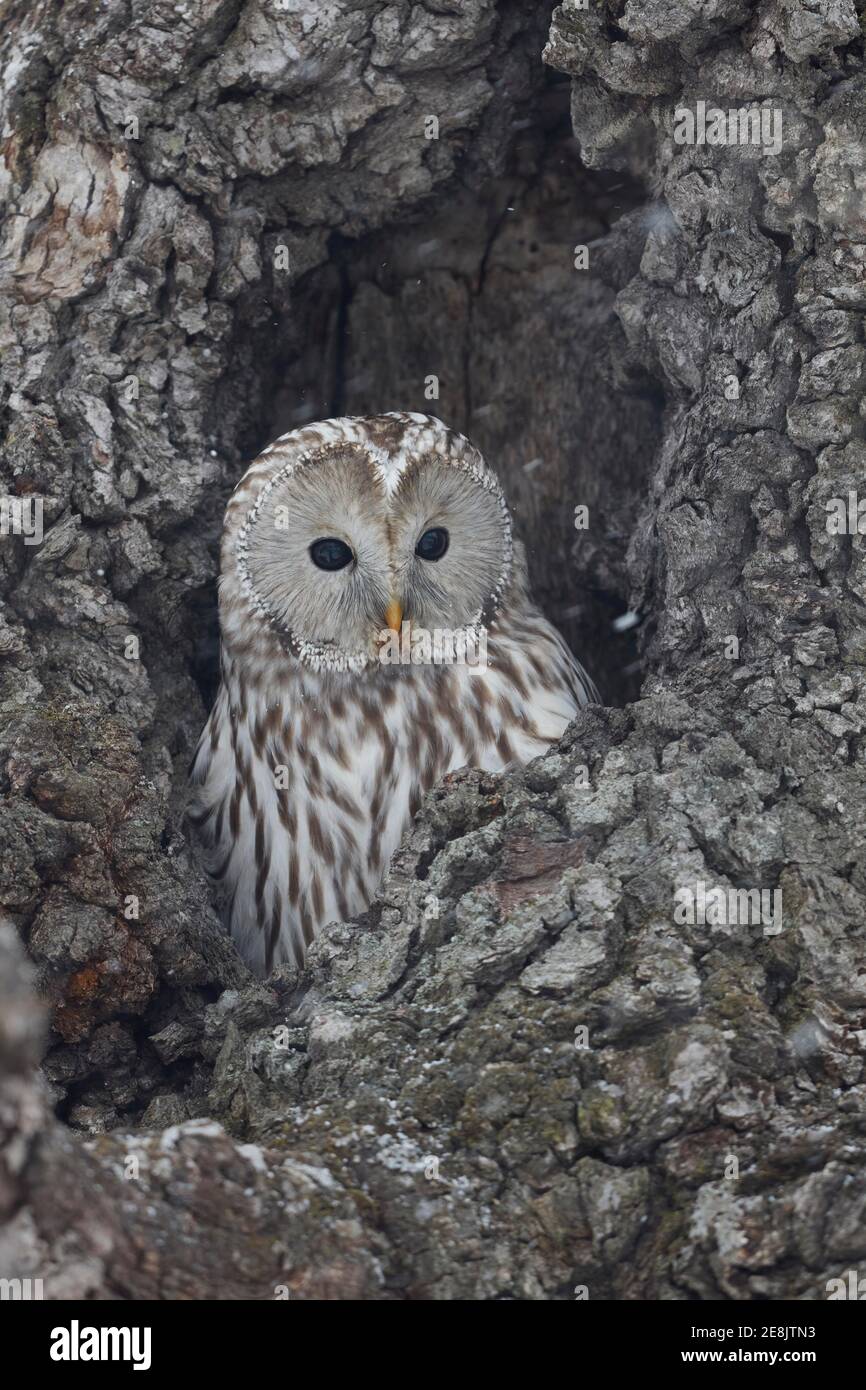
x,y
419,1114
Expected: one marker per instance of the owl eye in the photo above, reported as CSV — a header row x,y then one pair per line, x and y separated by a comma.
x,y
330,554
433,543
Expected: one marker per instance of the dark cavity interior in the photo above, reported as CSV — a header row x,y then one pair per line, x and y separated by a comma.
x,y
480,291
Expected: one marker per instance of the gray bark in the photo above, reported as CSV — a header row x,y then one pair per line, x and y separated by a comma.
x,y
416,1115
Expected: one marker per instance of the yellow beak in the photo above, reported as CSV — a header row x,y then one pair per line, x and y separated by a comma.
x,y
394,615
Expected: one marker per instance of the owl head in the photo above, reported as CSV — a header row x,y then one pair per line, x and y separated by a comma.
x,y
345,528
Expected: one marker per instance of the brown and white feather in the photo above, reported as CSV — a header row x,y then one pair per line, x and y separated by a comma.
x,y
316,757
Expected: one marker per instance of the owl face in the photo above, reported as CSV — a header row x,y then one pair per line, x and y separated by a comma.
x,y
346,541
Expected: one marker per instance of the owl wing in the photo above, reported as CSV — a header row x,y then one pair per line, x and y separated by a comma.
x,y
227,814
514,706
281,813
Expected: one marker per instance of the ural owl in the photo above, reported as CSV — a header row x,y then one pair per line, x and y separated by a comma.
x,y
318,751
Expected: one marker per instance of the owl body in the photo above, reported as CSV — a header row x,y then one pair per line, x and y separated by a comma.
x,y
316,755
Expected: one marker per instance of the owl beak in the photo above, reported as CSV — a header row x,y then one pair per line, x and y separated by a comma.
x,y
394,615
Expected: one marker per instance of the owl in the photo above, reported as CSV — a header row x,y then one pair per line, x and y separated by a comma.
x,y
377,632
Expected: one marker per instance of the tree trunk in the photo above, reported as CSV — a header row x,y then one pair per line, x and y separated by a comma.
x,y
530,1066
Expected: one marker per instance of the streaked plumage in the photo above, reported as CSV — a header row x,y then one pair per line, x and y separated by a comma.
x,y
315,757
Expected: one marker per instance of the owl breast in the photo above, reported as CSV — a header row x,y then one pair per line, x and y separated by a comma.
x,y
304,786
